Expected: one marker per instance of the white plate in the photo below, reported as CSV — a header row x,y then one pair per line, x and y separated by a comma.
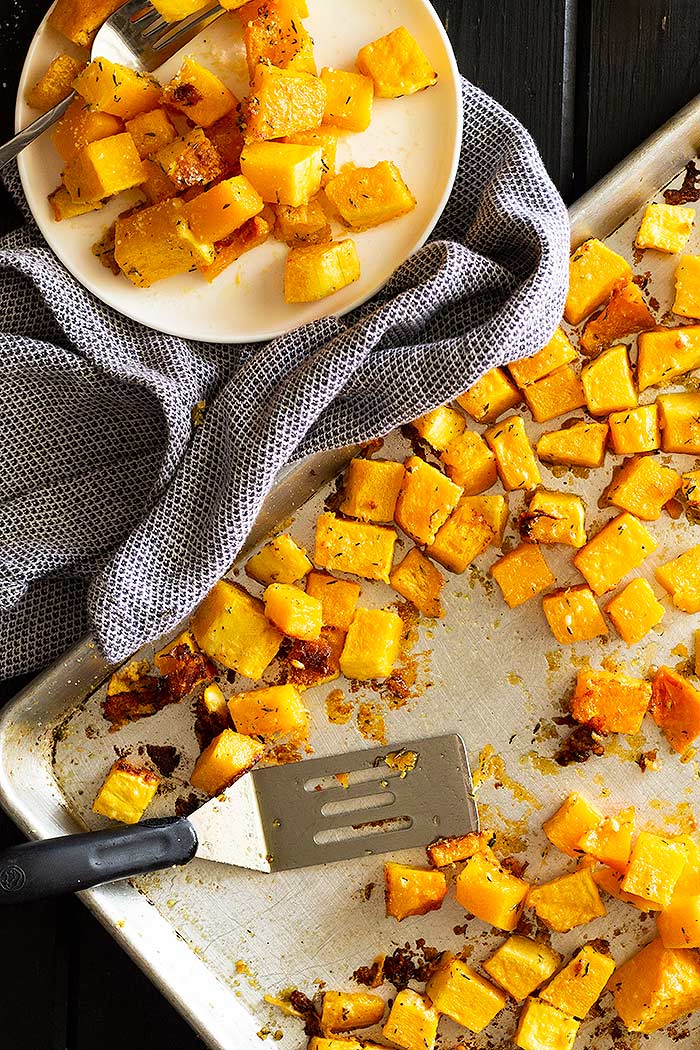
x,y
421,133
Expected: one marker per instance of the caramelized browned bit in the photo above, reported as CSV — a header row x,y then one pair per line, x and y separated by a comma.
x,y
149,695
186,669
307,662
303,1005
579,746
186,95
371,976
689,190
208,722
185,805
164,757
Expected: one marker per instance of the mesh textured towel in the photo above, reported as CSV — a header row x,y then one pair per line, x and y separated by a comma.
x,y
117,514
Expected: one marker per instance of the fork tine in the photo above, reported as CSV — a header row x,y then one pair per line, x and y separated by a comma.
x,y
176,36
154,26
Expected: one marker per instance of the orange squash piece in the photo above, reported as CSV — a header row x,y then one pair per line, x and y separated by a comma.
x,y
675,707
426,500
275,711
420,582
610,701
470,463
275,35
199,94
594,272
338,598
462,847
558,351
625,314
293,612
635,610
610,842
521,574
611,882
463,995
488,891
55,84
282,102
412,891
573,615
656,986
570,823
345,1011
619,547
227,758
644,487
569,901
655,866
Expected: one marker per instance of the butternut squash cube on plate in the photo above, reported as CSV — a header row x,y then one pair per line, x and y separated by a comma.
x,y
619,547
281,560
490,892
635,611
440,427
665,227
573,819
610,842
80,19
231,627
306,224
490,397
460,847
610,701
636,430
155,243
555,395
521,574
293,612
116,89
368,197
542,1026
274,35
607,382
656,986
494,511
675,707
190,161
678,925
419,581
654,868
151,131
557,352
372,645
80,126
515,459
176,10
567,902
397,65
465,535
316,271
625,314
643,487
611,881
687,300
665,354
127,792
361,549
582,445
520,965
345,1011
426,500
470,463
272,712
55,84
412,1022
679,418
226,136
690,487
463,995
412,891
217,212
226,758
157,187
64,207
199,94
282,102
325,139
573,615
103,168
594,272
681,578
554,517
349,99
338,598
371,488
576,989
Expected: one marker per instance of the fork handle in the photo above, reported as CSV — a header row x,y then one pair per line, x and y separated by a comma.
x,y
24,138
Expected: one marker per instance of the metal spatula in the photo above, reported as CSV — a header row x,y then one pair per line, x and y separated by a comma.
x,y
273,819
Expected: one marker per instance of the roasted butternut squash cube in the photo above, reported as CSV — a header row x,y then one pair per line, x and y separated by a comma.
x,y
461,847
349,99
675,707
490,397
470,463
635,611
176,10
281,560
521,574
542,1027
307,224
368,197
610,842
361,549
293,612
687,300
226,136
679,418
199,94
607,382
316,271
569,901
665,354
558,351
611,881
515,459
79,126
690,487
573,615
582,445
643,487
464,536
554,517
494,511
576,989
520,965
64,207
80,19
151,131
654,868
636,430
570,823
217,212
412,1022
610,701
338,598
230,626
372,645
619,547
426,500
116,89
488,891
283,173
594,272
282,102
274,35
371,489
226,758
688,884
126,793
656,986
418,581
344,1011
272,712
412,891
157,187
679,923
397,65
555,395
440,427
325,139
103,168
625,314
463,995
665,227
681,578
156,242
55,84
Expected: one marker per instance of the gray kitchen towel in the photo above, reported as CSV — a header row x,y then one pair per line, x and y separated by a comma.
x,y
117,514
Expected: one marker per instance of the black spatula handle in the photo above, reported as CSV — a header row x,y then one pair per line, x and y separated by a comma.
x,y
77,862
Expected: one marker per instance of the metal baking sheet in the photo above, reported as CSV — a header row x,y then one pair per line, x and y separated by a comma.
x,y
216,940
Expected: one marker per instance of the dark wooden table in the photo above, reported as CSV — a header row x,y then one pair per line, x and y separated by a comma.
x,y
590,79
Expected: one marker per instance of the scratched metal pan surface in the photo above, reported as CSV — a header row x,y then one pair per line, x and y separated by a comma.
x,y
217,940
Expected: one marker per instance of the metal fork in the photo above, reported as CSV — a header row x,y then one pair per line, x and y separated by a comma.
x,y
135,36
